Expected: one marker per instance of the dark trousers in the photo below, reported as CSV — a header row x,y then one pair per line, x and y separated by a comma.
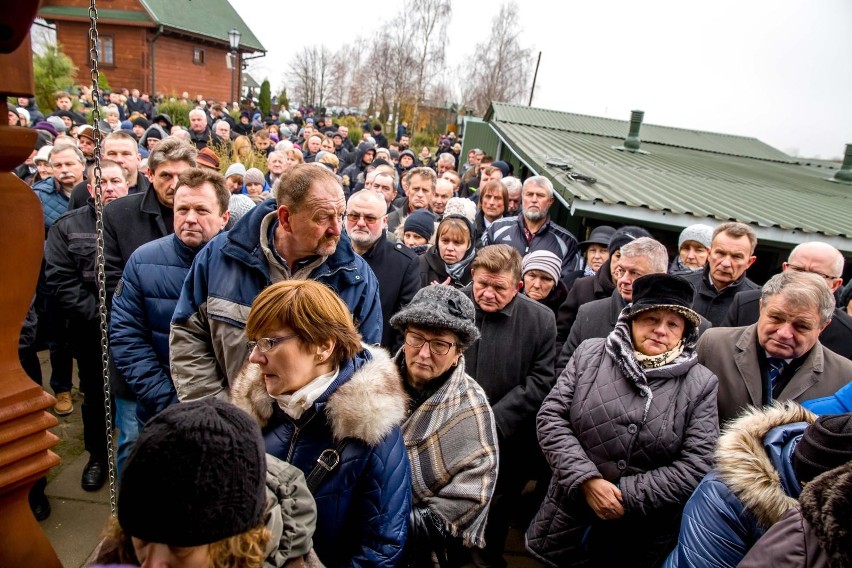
x,y
53,331
86,347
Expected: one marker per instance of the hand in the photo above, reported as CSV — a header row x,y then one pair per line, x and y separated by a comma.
x,y
604,498
436,283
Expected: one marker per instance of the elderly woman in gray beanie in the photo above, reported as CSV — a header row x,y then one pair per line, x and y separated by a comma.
x,y
448,416
541,272
693,249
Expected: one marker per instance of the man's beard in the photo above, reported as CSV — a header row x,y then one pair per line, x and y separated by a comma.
x,y
363,239
534,215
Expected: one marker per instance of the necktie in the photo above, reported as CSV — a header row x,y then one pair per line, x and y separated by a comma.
x,y
776,367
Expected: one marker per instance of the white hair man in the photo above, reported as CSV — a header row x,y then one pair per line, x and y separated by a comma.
x,y
534,230
199,129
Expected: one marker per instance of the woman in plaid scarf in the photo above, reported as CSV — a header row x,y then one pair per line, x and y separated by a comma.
x,y
450,431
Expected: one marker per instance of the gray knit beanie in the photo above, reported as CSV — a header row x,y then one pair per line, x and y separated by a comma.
x,y
440,307
254,175
699,233
545,261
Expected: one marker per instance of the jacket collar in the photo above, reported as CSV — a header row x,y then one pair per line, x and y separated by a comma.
x,y
705,276
185,253
151,206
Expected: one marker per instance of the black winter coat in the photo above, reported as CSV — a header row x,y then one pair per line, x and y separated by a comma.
x,y
711,303
586,289
591,426
433,269
513,360
398,272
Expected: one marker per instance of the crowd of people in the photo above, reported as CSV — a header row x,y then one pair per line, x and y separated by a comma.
x,y
359,355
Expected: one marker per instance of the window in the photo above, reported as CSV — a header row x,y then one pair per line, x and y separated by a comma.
x,y
106,50
198,56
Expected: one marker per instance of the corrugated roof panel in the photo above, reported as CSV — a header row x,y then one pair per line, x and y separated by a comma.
x,y
685,181
727,144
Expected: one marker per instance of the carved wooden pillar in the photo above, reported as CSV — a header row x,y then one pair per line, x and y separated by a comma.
x,y
25,443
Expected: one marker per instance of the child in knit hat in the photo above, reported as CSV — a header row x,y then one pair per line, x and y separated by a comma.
x,y
199,490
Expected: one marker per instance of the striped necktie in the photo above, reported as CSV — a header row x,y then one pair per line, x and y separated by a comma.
x,y
776,367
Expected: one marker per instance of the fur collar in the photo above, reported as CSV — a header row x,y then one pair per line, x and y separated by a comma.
x,y
743,464
827,506
366,407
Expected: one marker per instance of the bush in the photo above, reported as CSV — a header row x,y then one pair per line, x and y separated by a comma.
x,y
177,110
264,99
354,128
422,139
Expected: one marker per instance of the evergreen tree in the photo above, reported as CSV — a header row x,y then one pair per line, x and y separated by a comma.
x,y
52,71
264,99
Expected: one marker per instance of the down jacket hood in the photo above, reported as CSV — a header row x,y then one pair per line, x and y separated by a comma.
x,y
827,506
366,407
743,459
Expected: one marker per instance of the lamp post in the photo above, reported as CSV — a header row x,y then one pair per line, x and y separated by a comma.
x,y
234,39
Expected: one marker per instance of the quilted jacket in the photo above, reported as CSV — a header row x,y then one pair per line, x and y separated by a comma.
x,y
590,426
838,403
53,201
752,486
142,309
363,505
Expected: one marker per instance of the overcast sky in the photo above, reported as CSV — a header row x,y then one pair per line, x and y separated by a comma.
x,y
777,70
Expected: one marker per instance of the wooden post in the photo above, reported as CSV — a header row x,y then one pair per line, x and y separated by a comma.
x,y
25,443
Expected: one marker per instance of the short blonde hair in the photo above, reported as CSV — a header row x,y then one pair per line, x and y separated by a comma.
x,y
312,310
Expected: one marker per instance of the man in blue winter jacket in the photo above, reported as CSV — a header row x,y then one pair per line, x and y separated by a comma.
x,y
150,286
298,235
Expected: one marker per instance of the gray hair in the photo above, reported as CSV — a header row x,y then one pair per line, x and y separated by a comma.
x,y
737,230
540,181
198,111
283,145
821,248
171,150
447,157
649,248
802,290
220,121
62,147
512,183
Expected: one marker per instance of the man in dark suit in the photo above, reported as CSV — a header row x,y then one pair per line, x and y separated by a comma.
x,y
779,357
598,318
817,258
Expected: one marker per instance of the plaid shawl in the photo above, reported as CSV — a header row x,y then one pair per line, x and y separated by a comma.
x,y
452,446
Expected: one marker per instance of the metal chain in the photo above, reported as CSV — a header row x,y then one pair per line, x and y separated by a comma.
x,y
101,274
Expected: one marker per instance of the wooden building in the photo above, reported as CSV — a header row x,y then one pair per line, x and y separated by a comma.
x,y
159,46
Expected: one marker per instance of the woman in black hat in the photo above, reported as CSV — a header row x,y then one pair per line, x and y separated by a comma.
x,y
629,431
595,251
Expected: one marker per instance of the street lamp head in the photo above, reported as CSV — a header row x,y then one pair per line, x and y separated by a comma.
x,y
234,38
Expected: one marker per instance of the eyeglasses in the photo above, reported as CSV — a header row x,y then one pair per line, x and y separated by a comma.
x,y
355,217
264,344
795,268
436,346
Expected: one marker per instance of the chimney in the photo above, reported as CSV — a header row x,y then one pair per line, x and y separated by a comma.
x,y
632,142
844,174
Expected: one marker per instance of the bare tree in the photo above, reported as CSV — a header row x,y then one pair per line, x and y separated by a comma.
x,y
503,66
311,73
428,39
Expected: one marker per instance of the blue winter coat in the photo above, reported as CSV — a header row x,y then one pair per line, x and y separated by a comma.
x,y
746,493
53,202
838,403
142,310
208,340
363,504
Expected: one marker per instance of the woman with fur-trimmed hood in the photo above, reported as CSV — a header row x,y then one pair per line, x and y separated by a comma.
x,y
762,461
318,393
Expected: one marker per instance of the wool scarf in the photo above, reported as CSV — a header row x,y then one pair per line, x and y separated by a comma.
x,y
451,438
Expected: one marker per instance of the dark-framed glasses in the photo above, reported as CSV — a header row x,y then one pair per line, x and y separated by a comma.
x,y
264,344
355,217
795,268
436,346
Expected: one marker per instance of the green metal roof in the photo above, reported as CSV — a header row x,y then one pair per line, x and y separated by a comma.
x,y
610,127
210,18
104,14
787,199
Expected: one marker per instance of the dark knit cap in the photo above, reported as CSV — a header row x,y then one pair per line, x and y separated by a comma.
x,y
141,121
625,235
421,222
440,307
502,166
196,475
826,444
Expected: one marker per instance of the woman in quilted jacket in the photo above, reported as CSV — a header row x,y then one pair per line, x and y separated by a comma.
x,y
629,431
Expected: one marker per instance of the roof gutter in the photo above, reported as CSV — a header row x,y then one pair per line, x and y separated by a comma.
x,y
668,220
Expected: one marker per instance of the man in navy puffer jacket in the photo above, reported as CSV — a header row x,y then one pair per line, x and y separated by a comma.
x,y
150,286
